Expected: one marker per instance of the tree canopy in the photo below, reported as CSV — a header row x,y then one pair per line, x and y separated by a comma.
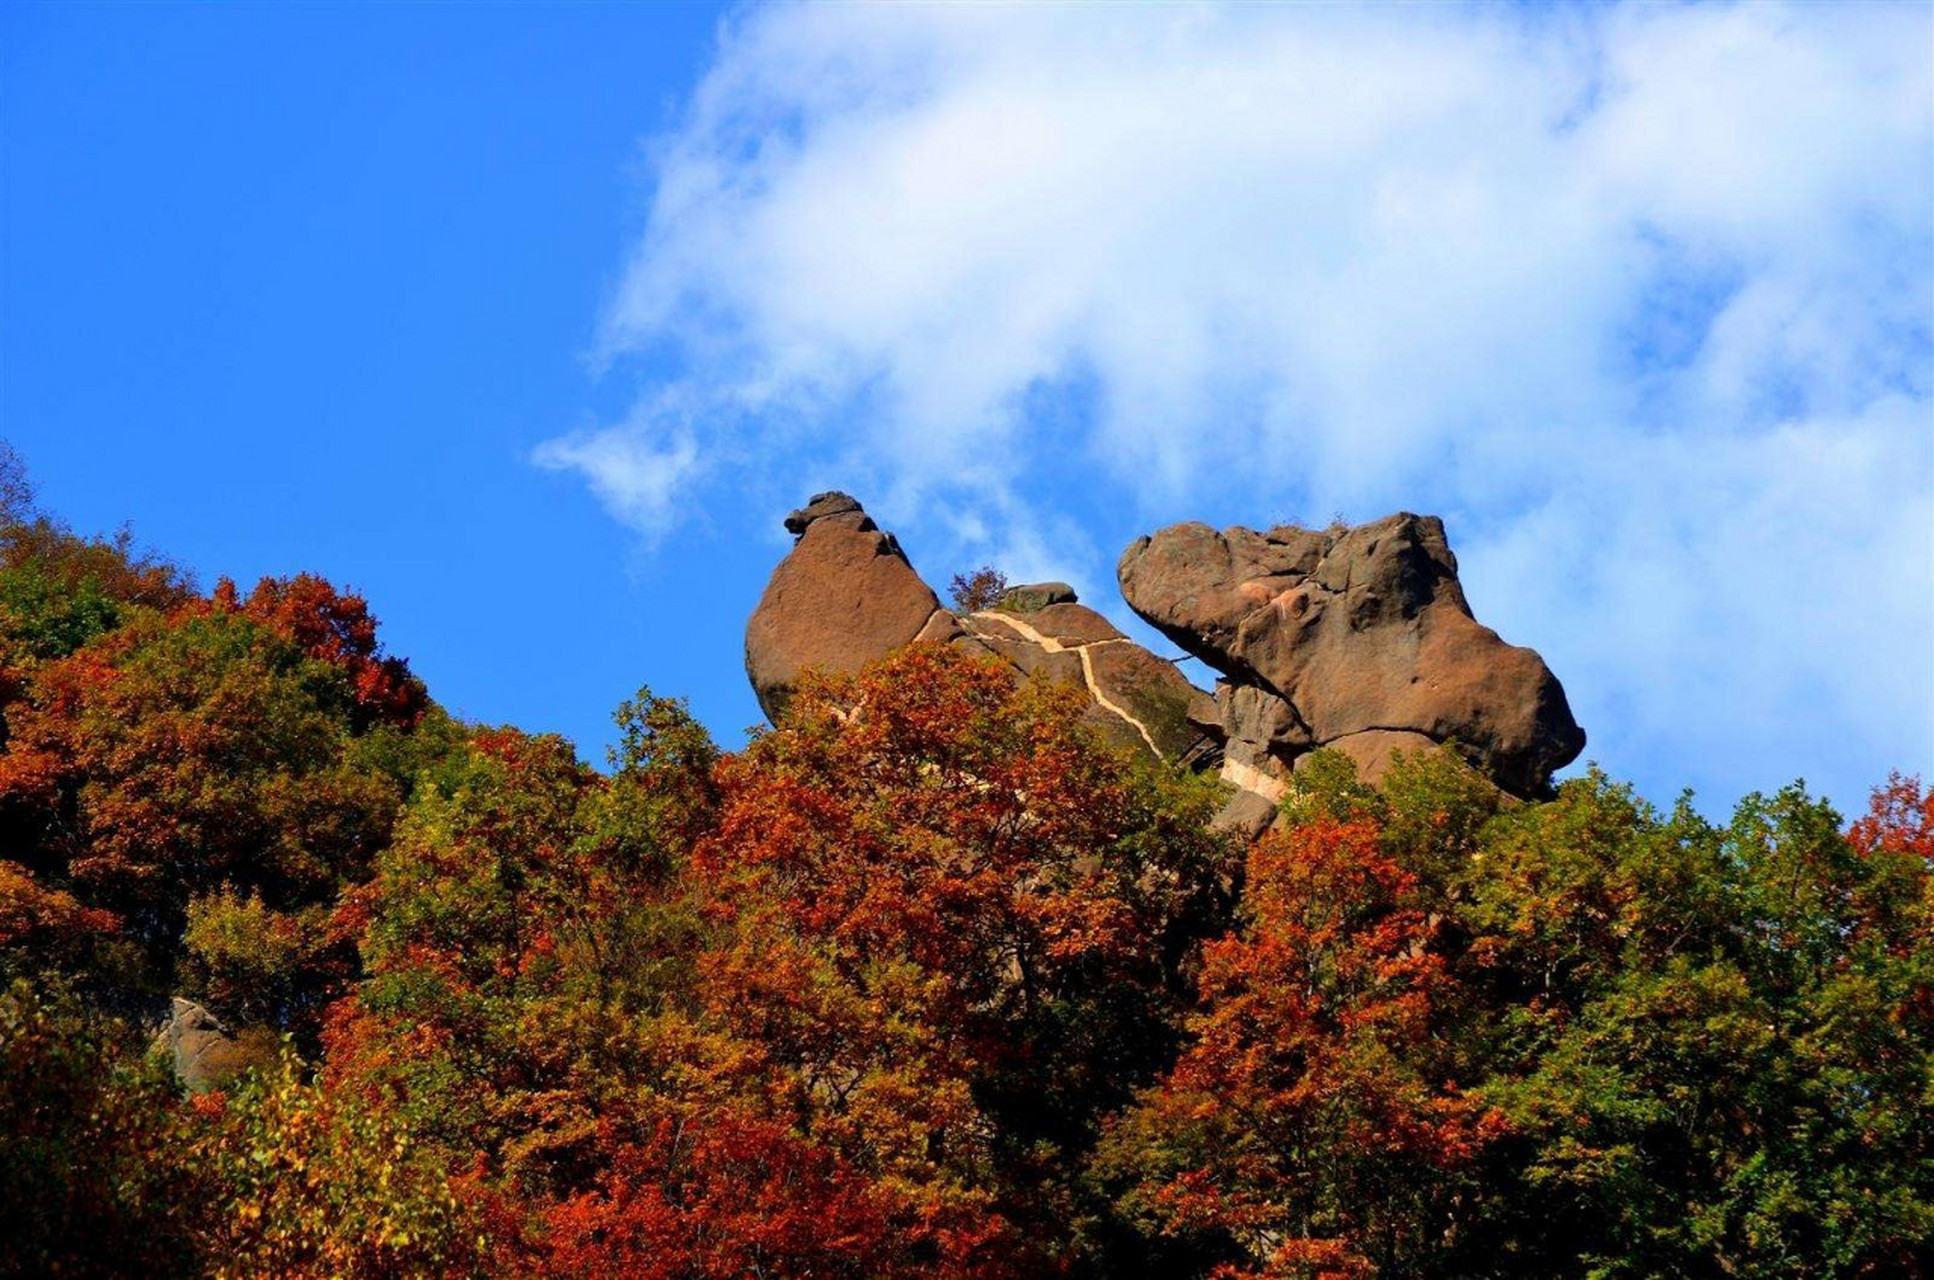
x,y
924,981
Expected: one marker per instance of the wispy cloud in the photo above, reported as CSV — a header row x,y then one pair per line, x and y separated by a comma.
x,y
1638,296
639,469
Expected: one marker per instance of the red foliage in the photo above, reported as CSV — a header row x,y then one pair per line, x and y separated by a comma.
x,y
952,820
1308,1094
179,753
47,924
716,1192
1899,821
939,899
334,627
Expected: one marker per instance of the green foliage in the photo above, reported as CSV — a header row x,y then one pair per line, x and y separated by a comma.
x,y
301,1182
90,1182
924,982
519,934
1721,1059
1678,1049
261,966
43,618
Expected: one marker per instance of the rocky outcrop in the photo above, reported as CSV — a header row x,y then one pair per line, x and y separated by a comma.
x,y
846,595
1135,698
199,1048
1358,639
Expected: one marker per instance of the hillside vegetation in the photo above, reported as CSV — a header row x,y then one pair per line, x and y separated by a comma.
x,y
927,981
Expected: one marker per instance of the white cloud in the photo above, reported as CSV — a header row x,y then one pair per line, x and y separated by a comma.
x,y
1639,296
638,469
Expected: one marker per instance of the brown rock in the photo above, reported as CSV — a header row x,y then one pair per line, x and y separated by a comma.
x,y
1356,630
942,628
1139,700
843,597
1074,625
1245,815
846,596
830,503
199,1048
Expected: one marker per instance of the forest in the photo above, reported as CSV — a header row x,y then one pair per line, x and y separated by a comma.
x,y
925,981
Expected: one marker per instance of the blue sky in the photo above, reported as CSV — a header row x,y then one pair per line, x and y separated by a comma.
x,y
531,322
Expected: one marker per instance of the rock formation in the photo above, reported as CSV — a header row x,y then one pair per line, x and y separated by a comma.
x,y
846,596
1358,639
204,1056
1135,698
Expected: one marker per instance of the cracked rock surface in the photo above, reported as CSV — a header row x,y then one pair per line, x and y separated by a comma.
x,y
846,595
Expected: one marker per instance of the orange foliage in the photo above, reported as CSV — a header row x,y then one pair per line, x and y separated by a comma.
x,y
943,894
1308,1095
1900,821
179,753
335,627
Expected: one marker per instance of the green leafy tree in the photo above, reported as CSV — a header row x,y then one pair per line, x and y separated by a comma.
x,y
1575,1038
89,1182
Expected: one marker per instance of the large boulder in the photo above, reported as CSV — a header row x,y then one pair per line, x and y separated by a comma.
x,y
844,597
1357,638
200,1049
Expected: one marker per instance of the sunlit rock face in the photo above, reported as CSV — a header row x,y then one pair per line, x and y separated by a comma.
x,y
846,595
1358,639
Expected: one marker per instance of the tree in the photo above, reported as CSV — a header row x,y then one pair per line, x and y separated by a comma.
x,y
1562,1039
1719,1055
301,1182
336,628
980,589
530,955
206,762
957,925
1313,1124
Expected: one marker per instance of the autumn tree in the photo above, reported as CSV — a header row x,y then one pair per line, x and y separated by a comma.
x,y
980,589
530,957
298,1181
1314,1126
1574,1038
957,925
925,981
226,765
